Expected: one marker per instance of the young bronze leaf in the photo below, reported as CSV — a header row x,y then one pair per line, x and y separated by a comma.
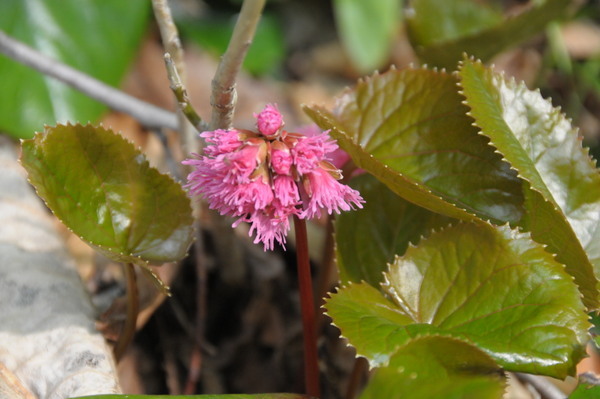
x,y
368,239
437,367
410,130
562,184
491,286
104,190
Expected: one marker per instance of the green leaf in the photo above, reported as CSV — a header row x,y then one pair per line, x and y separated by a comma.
x,y
586,391
367,29
265,54
561,182
491,286
410,130
104,190
99,38
434,21
437,367
368,239
374,326
441,31
235,396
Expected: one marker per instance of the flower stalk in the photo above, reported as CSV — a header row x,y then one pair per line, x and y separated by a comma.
x,y
311,361
265,178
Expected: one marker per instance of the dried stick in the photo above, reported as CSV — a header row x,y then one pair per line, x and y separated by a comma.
x,y
174,62
149,115
176,71
224,96
183,101
169,34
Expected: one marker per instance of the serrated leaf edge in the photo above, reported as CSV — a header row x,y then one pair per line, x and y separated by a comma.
x,y
134,258
504,229
555,111
324,113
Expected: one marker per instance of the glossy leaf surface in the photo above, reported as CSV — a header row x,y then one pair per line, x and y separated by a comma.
x,y
370,238
99,38
410,130
561,181
104,190
441,31
586,391
437,367
490,286
367,29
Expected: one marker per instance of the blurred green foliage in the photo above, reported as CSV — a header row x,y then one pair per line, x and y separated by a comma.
x,y
213,32
367,30
98,37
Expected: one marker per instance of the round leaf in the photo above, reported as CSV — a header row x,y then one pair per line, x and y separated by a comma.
x,y
491,286
543,147
104,190
410,130
372,324
368,239
459,370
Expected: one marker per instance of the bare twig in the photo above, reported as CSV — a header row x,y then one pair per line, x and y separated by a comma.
x,y
149,115
224,96
176,72
169,34
183,100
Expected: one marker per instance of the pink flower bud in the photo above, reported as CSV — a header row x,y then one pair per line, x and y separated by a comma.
x,y
266,178
281,158
269,121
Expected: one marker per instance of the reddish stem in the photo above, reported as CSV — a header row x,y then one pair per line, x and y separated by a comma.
x,y
361,366
133,306
311,362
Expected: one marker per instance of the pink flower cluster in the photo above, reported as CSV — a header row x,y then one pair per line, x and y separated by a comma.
x,y
265,177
